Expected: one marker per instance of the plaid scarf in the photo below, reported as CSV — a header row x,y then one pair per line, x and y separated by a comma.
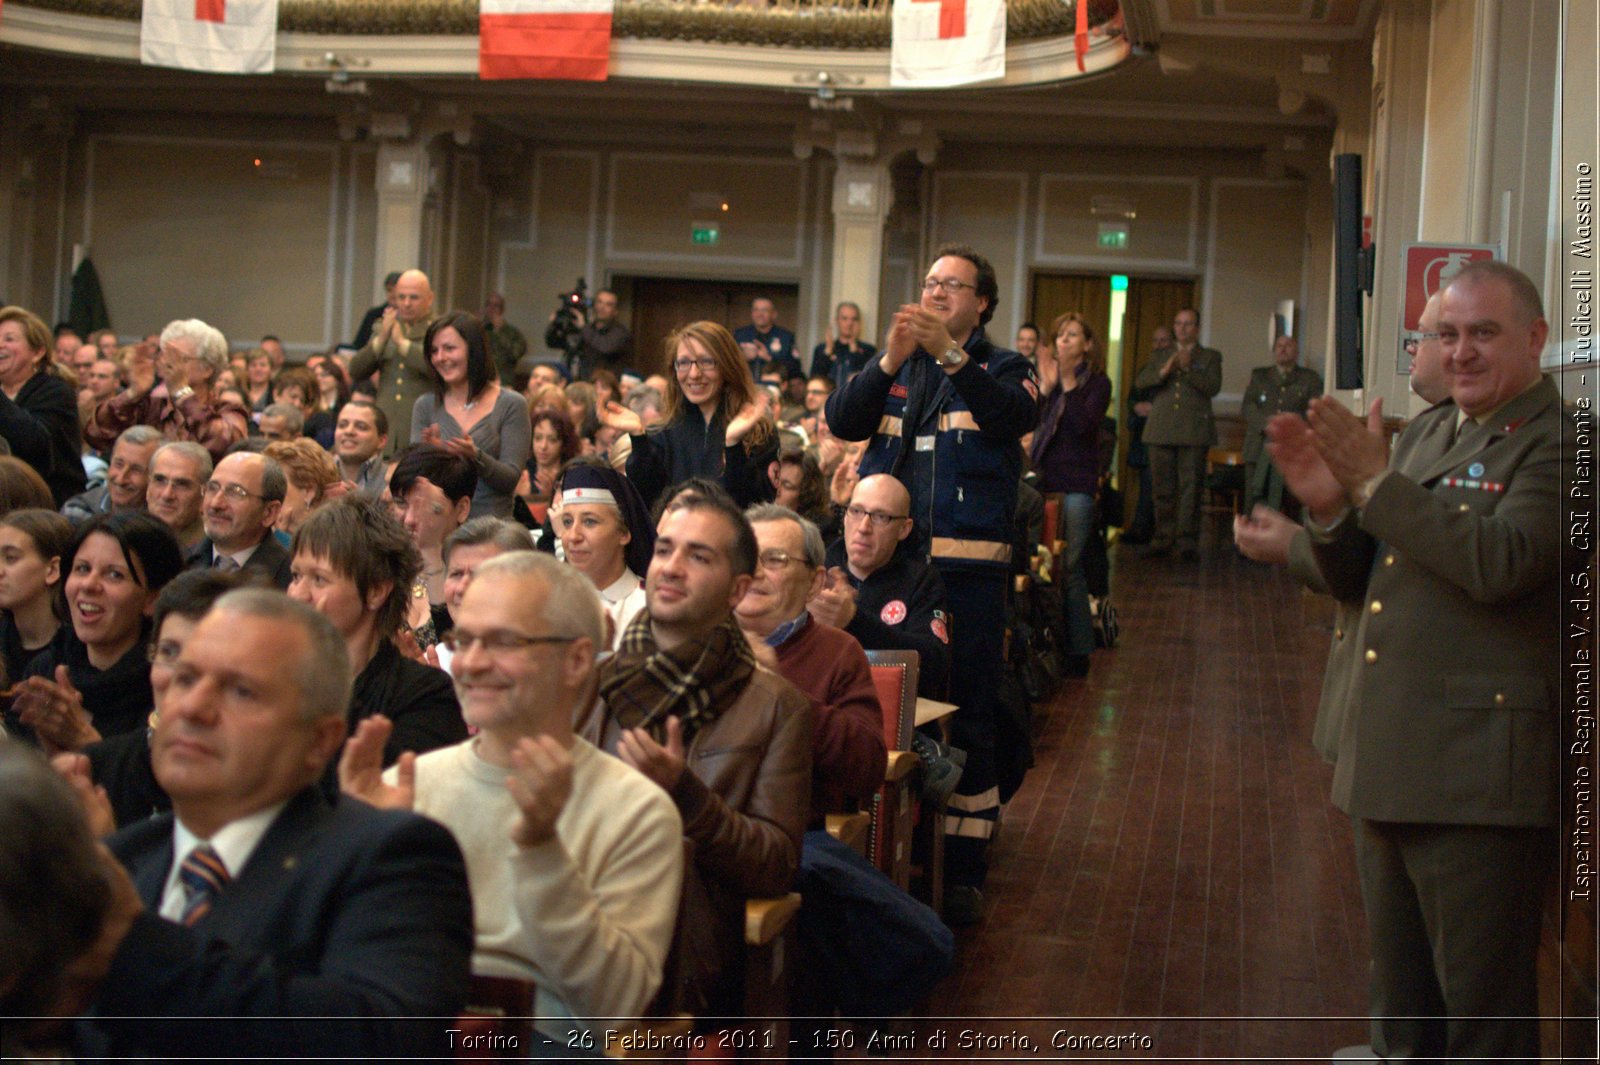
x,y
643,684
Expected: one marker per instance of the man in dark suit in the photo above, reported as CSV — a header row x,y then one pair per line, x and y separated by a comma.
x,y
1448,763
346,930
241,503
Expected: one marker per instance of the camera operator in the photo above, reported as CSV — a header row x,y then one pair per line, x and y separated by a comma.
x,y
603,342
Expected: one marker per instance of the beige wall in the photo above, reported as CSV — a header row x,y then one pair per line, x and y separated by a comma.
x,y
181,221
597,213
1246,240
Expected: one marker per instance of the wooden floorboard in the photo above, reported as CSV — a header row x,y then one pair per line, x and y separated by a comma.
x,y
1172,866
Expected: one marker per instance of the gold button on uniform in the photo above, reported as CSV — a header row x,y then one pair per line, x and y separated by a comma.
x,y
1338,634
1499,699
1372,656
1388,560
1463,508
1377,606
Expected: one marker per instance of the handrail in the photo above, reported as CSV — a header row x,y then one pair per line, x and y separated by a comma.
x,y
835,24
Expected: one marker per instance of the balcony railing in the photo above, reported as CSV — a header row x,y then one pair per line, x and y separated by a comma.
x,y
837,24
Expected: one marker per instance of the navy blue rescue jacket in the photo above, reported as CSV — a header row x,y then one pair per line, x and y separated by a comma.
x,y
952,440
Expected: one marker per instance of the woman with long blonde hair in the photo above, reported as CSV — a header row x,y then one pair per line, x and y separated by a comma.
x,y
715,422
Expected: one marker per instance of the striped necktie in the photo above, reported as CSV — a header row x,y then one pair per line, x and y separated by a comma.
x,y
203,877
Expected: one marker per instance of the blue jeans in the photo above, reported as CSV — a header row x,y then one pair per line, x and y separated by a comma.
x,y
1078,515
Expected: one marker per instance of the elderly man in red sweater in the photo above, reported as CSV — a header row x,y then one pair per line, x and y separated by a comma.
x,y
827,664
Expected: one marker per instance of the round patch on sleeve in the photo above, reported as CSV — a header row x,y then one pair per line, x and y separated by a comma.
x,y
893,612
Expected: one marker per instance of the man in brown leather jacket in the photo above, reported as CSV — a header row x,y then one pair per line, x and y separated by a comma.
x,y
684,702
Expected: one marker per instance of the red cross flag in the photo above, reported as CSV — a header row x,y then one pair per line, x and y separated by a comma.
x,y
569,39
938,44
222,36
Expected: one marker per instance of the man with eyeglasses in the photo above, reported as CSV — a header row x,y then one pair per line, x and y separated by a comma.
x,y
944,410
1285,387
182,403
575,860
239,504
179,470
881,595
827,664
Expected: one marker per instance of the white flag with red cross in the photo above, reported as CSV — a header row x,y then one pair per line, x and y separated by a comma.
x,y
938,44
221,36
569,39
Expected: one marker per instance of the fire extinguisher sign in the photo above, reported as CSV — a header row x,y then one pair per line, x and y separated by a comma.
x,y
1429,268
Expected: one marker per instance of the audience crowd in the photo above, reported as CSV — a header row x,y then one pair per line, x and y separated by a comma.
x,y
534,699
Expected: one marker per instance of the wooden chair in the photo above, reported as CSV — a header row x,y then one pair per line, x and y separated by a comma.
x,y
894,807
1224,481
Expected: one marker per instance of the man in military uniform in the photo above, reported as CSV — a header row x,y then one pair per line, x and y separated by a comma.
x,y
506,343
1179,430
395,351
1285,387
1448,764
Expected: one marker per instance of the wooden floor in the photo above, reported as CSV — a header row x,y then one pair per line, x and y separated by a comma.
x,y
1172,868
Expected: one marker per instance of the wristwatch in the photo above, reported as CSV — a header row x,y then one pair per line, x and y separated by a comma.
x,y
952,357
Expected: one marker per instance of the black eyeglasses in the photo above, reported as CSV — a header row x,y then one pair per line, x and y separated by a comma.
x,y
877,517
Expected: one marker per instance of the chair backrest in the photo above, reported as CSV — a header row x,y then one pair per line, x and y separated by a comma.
x,y
894,673
1052,518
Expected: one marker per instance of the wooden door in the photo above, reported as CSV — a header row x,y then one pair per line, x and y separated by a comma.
x,y
1056,294
662,304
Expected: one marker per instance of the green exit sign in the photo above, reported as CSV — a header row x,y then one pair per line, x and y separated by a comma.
x,y
704,234
1113,235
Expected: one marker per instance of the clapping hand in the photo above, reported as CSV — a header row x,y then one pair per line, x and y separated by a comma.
x,y
1264,535
1292,446
540,783
55,712
748,416
361,767
835,604
615,416
664,765
75,770
1353,451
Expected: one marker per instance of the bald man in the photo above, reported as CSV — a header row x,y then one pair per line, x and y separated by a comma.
x,y
886,598
395,351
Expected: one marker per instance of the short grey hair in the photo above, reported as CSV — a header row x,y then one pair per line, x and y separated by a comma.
x,y
322,676
571,607
189,449
506,535
140,435
816,551
642,396
210,346
294,419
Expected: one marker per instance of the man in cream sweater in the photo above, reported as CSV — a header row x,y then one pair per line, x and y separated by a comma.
x,y
575,860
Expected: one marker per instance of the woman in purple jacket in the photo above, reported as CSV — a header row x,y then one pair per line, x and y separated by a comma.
x,y
1074,395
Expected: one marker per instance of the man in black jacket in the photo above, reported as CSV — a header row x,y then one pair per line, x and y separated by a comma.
x,y
886,599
